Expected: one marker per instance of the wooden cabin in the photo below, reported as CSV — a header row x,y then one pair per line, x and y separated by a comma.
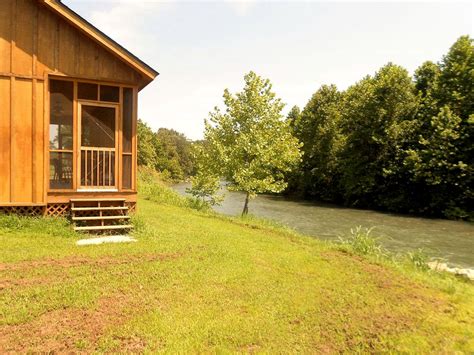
x,y
68,112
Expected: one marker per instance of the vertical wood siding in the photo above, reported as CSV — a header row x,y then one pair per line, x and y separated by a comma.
x,y
34,43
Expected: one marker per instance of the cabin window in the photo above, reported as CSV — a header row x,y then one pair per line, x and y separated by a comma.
x,y
61,134
109,93
127,138
60,124
87,91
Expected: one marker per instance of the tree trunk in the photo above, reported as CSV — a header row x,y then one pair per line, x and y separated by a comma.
x,y
246,205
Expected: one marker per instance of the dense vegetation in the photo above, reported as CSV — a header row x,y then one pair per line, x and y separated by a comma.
x,y
197,282
393,142
166,151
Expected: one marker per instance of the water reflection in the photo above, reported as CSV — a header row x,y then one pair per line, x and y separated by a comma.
x,y
451,240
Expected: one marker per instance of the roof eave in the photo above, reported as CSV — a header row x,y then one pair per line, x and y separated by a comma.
x,y
94,33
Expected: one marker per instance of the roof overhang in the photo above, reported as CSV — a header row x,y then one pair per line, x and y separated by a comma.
x,y
91,31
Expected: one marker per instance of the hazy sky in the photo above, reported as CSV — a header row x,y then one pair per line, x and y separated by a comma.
x,y
202,47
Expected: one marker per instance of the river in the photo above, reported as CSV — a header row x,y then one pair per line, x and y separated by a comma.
x,y
452,241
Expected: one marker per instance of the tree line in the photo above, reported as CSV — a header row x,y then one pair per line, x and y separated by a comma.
x,y
166,151
392,141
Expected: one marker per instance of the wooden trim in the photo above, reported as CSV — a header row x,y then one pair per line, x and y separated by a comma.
x,y
66,196
12,156
134,139
21,204
99,104
75,144
56,75
120,137
46,120
33,141
20,76
98,36
100,149
62,150
80,148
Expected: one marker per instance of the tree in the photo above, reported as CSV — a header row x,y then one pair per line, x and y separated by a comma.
x,y
146,150
318,128
250,145
437,164
442,157
377,119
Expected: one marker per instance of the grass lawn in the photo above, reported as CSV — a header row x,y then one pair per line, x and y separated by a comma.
x,y
198,283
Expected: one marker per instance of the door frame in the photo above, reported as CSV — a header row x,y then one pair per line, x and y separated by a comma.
x,y
117,169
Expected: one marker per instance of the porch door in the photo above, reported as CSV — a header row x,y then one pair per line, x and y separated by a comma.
x,y
98,140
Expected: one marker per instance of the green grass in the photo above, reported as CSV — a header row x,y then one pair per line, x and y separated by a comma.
x,y
199,282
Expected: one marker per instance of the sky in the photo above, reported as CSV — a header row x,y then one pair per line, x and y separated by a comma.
x,y
202,47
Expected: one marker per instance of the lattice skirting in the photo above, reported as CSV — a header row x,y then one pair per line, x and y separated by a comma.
x,y
132,207
57,209
31,211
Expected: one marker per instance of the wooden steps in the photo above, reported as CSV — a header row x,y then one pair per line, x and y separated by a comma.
x,y
99,218
99,208
100,215
101,228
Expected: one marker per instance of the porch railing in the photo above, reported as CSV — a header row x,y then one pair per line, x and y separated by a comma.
x,y
97,167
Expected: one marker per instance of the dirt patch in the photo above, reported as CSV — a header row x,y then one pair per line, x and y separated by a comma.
x,y
75,261
72,329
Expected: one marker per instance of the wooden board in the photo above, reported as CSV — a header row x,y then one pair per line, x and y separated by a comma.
x,y
23,36
47,42
5,35
39,138
5,139
21,133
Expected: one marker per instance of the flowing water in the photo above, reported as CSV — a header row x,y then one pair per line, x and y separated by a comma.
x,y
452,241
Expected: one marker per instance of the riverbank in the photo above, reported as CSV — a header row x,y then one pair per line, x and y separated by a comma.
x,y
199,282
451,242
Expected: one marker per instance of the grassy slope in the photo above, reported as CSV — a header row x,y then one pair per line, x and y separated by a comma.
x,y
195,282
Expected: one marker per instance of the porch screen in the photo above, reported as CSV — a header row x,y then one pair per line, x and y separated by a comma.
x,y
127,138
61,135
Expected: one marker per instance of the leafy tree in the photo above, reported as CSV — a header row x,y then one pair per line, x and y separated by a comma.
x,y
166,150
250,145
437,162
319,129
442,158
378,115
294,117
146,150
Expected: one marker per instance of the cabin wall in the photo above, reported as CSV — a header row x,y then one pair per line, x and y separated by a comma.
x,y
35,43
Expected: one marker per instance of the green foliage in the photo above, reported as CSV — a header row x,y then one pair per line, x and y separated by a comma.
x,y
58,227
205,188
166,150
151,187
419,259
250,145
146,151
318,128
394,143
361,242
376,117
